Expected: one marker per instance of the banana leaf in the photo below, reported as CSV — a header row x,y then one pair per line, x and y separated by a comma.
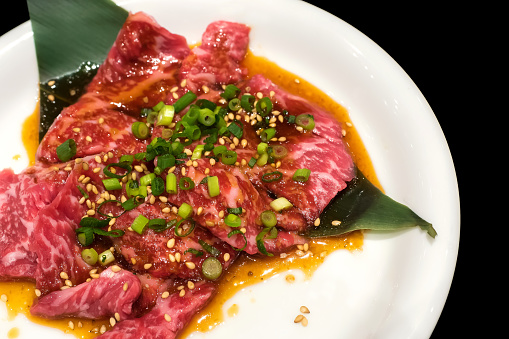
x,y
362,206
72,37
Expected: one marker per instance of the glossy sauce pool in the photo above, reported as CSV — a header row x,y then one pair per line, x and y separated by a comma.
x,y
247,270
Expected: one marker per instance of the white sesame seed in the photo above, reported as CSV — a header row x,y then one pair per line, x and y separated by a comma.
x,y
170,243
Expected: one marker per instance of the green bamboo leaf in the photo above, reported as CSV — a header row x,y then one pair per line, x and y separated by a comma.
x,y
69,32
72,38
362,206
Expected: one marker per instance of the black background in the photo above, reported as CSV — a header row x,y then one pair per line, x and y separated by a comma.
x,y
427,41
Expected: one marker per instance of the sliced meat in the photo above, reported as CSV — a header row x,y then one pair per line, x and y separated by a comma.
x,y
140,66
22,196
54,240
322,151
99,298
168,317
216,60
236,191
139,69
167,261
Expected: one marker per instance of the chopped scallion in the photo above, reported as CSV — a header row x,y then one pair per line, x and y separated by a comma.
x,y
301,175
139,223
140,130
267,134
268,218
184,101
185,210
213,186
106,258
306,121
280,204
165,115
233,220
90,256
171,183
264,106
229,157
67,150
211,268
186,183
112,184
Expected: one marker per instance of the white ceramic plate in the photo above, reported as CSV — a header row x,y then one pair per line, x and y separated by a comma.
x,y
397,286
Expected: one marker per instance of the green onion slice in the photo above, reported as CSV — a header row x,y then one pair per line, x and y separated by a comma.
x,y
213,186
126,158
159,225
306,121
272,176
262,148
259,241
165,115
209,248
186,183
140,130
165,161
267,134
146,180
184,101
106,258
230,92
234,104
90,256
211,268
123,165
194,251
139,223
268,218
235,129
192,115
158,107
219,150
207,117
185,210
232,233
111,184
229,157
171,183
247,101
279,151
98,209
264,106
236,210
252,162
82,191
197,152
189,230
233,220
280,204
157,186
67,150
262,159
301,175
132,203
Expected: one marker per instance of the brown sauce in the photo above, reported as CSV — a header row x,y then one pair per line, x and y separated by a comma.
x,y
247,270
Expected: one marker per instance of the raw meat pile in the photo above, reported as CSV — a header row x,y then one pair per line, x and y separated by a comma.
x,y
155,278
